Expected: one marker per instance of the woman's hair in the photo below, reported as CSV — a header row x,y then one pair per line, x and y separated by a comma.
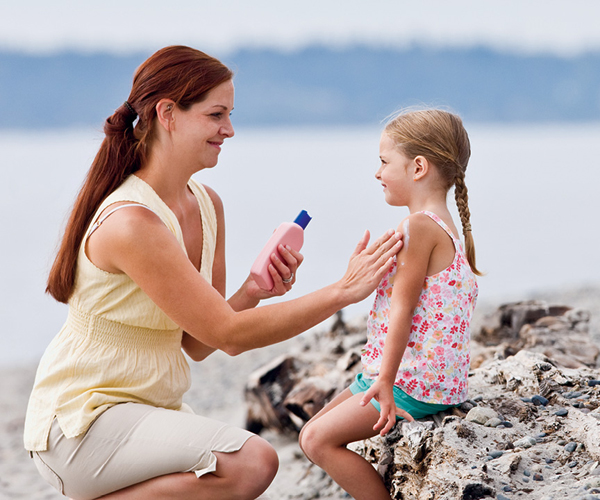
x,y
440,137
180,73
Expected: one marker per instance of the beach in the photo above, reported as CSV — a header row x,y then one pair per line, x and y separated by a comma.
x,y
217,391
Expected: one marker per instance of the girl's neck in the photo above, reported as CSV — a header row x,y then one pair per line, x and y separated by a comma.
x,y
432,203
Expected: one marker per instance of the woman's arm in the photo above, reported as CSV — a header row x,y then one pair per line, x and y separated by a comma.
x,y
249,294
137,243
412,263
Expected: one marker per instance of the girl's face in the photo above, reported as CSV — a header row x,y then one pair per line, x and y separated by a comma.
x,y
201,130
395,172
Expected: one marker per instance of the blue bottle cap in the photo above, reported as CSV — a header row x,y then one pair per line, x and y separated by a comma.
x,y
303,219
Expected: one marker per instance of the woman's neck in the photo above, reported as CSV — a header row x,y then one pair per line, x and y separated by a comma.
x,y
169,182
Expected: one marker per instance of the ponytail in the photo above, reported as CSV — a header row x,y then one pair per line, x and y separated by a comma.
x,y
180,73
115,160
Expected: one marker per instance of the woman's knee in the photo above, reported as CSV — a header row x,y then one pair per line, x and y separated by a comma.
x,y
257,465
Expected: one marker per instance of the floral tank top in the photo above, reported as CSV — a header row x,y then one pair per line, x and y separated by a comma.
x,y
435,365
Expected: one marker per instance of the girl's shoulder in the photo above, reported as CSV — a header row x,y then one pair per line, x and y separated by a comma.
x,y
417,223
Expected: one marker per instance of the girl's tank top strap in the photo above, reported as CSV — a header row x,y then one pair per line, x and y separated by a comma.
x,y
440,223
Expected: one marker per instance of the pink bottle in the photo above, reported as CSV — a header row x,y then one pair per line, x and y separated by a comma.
x,y
288,233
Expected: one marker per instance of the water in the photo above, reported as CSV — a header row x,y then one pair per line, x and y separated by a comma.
x,y
532,193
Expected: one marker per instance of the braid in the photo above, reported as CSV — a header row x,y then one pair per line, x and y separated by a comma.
x,y
462,202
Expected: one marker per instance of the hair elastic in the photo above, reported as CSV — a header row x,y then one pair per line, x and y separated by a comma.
x,y
467,227
130,108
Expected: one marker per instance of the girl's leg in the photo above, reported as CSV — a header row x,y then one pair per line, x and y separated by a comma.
x,y
244,474
341,397
324,441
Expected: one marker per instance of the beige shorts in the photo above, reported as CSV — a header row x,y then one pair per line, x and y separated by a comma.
x,y
131,443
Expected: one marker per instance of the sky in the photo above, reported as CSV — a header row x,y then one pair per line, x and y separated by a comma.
x,y
565,27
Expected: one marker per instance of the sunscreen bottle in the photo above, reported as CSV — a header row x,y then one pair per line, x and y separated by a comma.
x,y
288,233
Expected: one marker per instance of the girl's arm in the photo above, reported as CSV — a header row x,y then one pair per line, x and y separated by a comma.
x,y
137,243
412,263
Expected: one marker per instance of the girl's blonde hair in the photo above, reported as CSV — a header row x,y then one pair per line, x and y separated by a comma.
x,y
440,137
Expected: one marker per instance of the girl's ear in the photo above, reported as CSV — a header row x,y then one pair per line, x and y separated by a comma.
x,y
165,114
421,167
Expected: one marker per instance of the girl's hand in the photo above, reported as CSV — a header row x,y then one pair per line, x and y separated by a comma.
x,y
367,266
384,394
284,274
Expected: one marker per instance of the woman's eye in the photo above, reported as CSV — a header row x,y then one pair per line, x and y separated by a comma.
x,y
217,115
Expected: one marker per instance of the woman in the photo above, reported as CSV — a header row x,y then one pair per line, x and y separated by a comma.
x,y
142,267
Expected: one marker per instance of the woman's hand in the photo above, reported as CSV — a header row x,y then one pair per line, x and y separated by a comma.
x,y
384,394
368,265
283,272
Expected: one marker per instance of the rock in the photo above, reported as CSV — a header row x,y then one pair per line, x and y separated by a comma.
x,y
493,422
516,389
526,442
539,400
480,415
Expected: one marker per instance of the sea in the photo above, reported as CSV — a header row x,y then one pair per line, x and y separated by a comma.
x,y
534,196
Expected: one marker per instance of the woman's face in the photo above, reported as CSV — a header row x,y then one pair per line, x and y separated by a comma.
x,y
199,132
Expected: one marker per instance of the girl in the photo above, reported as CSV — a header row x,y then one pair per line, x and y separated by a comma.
x,y
142,267
416,359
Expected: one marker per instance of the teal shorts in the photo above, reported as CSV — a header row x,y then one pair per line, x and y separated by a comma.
x,y
416,408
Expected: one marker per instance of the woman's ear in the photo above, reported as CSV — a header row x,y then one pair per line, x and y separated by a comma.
x,y
421,165
165,109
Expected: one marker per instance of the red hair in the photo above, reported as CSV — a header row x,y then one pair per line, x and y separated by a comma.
x,y
180,73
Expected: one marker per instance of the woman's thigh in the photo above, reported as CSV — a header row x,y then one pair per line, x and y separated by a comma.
x,y
131,443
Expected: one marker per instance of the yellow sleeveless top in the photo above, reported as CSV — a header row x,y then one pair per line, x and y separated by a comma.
x,y
116,346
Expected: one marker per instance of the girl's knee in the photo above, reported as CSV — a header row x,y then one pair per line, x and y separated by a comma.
x,y
311,442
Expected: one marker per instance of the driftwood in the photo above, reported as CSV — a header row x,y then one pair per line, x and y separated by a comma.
x,y
531,425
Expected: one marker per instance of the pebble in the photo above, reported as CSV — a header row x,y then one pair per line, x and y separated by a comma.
x,y
466,407
563,412
539,400
549,460
480,415
572,464
500,496
478,399
526,473
507,488
526,400
493,422
505,423
526,442
571,447
538,477
572,395
495,454
593,383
